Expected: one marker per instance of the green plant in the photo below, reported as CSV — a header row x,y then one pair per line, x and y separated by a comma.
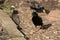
x,y
6,7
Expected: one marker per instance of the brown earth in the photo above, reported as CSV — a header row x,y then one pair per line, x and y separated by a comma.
x,y
10,31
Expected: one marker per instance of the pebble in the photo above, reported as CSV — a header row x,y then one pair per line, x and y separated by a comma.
x,y
55,32
31,32
9,39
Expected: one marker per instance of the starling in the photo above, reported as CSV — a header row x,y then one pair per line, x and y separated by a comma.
x,y
37,6
16,20
15,17
37,21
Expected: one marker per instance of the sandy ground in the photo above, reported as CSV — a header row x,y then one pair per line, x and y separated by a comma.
x,y
29,29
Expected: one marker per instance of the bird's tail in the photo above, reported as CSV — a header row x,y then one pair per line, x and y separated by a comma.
x,y
46,26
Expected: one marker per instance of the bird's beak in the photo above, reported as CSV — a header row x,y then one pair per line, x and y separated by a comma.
x,y
44,11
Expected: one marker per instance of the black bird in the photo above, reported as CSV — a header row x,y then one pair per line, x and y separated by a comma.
x,y
37,6
37,21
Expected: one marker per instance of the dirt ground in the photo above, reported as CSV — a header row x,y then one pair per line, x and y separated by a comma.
x,y
28,28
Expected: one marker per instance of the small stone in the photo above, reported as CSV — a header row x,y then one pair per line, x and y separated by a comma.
x,y
31,32
58,0
53,24
46,0
21,3
9,39
13,6
55,32
35,38
47,37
